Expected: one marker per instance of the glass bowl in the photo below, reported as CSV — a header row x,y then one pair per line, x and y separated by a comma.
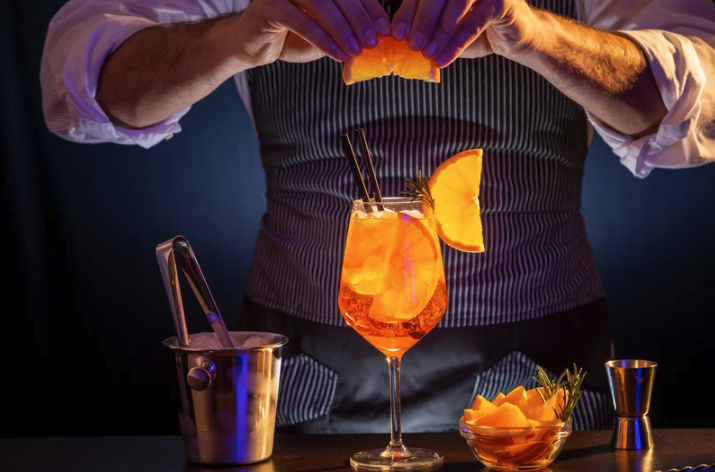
x,y
510,449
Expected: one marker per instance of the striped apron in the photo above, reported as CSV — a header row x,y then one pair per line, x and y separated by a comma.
x,y
538,261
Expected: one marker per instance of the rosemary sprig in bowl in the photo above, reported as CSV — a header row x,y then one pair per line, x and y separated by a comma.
x,y
569,381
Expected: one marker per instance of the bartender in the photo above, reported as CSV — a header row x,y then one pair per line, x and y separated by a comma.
x,y
526,82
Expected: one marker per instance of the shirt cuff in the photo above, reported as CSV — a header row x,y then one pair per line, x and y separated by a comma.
x,y
680,80
85,131
89,122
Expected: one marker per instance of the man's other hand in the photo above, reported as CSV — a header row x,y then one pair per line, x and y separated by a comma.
x,y
447,29
306,30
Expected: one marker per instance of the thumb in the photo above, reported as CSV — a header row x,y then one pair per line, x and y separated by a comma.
x,y
479,48
297,49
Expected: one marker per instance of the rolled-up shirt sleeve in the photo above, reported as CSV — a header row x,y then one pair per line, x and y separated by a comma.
x,y
79,39
678,40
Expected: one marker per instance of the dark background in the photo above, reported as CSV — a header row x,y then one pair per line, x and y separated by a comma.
x,y
85,311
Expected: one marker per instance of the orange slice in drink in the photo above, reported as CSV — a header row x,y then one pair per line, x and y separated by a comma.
x,y
412,272
455,190
370,239
388,57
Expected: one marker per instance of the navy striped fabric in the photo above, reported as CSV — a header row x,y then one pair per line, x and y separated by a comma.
x,y
513,370
593,411
538,260
307,390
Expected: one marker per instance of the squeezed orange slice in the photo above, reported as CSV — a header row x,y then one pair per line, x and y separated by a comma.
x,y
455,190
388,57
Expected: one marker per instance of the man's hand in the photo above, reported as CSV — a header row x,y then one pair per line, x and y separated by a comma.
x,y
606,73
163,69
306,30
447,29
297,49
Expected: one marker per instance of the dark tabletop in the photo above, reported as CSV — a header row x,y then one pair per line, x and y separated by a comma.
x,y
584,451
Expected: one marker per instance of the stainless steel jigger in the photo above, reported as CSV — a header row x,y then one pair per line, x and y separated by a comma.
x,y
631,383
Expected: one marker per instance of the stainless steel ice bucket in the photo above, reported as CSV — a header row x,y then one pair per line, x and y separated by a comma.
x,y
227,405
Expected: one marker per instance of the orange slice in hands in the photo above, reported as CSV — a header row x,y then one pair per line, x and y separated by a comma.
x,y
388,57
455,189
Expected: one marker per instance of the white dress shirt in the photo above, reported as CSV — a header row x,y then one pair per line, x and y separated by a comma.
x,y
677,37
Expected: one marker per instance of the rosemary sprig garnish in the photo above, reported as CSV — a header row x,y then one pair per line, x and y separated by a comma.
x,y
571,388
419,189
550,387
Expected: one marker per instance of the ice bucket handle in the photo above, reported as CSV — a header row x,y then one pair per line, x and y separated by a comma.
x,y
179,250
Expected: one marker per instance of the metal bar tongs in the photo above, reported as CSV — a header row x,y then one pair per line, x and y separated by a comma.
x,y
179,250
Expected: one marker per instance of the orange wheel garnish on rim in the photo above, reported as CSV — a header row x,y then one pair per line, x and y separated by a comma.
x,y
388,57
455,189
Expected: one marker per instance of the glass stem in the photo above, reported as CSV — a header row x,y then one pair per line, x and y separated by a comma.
x,y
395,425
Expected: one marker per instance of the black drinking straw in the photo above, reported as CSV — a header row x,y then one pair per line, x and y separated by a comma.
x,y
355,167
370,168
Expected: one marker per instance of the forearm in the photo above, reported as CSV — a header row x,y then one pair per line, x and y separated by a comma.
x,y
161,70
604,72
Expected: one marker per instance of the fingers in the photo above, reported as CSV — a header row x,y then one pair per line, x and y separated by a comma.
x,y
402,21
292,18
359,19
331,19
452,14
378,15
423,24
297,49
479,48
471,27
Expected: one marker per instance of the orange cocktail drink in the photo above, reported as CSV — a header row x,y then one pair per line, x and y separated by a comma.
x,y
393,292
392,288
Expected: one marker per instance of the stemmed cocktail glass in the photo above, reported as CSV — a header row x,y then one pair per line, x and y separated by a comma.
x,y
393,292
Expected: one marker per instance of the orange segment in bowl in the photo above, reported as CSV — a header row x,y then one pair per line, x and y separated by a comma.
x,y
517,397
533,399
472,415
499,399
481,402
505,416
544,412
455,190
534,423
524,453
537,432
389,56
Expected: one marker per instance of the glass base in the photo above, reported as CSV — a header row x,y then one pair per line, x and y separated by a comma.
x,y
397,459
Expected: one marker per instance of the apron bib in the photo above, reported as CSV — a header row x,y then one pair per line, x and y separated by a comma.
x,y
538,260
